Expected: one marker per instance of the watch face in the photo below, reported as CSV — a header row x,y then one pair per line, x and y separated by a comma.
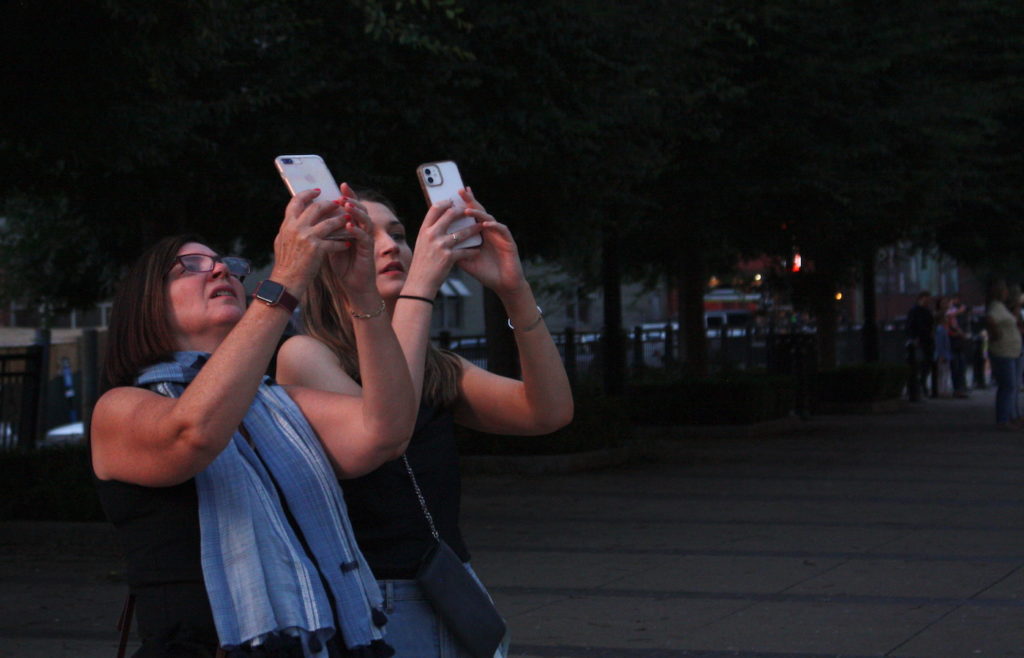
x,y
273,293
269,291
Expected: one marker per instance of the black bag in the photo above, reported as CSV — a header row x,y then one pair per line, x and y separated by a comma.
x,y
460,601
457,597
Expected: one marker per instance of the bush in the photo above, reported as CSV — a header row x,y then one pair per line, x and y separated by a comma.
x,y
55,484
867,382
599,422
52,484
735,398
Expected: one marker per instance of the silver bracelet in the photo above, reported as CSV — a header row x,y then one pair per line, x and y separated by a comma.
x,y
540,316
371,314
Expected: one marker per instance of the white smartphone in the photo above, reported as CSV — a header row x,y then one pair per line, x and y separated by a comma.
x,y
441,181
308,172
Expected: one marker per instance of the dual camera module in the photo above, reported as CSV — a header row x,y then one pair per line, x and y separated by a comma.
x,y
432,176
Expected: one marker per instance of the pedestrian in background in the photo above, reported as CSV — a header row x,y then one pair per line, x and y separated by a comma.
x,y
1014,305
941,380
920,344
958,342
1004,350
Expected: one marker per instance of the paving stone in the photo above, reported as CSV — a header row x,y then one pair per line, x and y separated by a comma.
x,y
899,534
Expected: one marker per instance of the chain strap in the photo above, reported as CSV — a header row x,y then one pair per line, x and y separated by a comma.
x,y
423,502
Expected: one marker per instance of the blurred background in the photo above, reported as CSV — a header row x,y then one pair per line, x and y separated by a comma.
x,y
690,182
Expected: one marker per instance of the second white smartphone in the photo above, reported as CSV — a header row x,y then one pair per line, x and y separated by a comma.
x,y
441,181
309,172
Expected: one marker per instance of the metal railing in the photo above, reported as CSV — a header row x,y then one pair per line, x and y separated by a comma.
x,y
744,348
20,374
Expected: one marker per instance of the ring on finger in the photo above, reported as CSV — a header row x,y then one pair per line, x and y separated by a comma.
x,y
455,236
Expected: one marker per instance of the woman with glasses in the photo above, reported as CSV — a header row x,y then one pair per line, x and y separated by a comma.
x,y
389,522
223,485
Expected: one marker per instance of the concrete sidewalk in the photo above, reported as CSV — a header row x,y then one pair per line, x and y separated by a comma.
x,y
896,534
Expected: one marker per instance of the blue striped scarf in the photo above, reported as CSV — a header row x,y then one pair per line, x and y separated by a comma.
x,y
261,581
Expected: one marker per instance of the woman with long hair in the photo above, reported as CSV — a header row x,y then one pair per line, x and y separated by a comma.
x,y
386,513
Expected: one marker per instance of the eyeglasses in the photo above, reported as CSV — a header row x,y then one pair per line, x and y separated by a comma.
x,y
239,267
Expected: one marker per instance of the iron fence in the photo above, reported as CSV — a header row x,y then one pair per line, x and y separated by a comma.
x,y
738,348
649,348
20,375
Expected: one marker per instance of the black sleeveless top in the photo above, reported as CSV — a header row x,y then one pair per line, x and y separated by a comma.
x,y
389,524
159,531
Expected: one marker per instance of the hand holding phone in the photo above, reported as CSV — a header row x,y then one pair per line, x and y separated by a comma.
x,y
309,172
440,181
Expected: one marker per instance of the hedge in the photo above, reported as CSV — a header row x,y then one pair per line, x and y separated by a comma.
x,y
736,398
599,422
53,484
868,382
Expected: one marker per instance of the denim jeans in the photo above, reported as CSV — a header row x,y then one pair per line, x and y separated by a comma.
x,y
414,630
1004,371
958,369
1018,371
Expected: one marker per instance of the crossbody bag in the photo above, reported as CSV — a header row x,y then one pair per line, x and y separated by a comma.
x,y
456,596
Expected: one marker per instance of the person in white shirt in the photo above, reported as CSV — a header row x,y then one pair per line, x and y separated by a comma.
x,y
1004,348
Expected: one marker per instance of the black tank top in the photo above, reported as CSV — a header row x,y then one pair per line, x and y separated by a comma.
x,y
158,528
389,524
159,531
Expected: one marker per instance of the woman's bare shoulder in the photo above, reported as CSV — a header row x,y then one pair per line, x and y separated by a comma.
x,y
303,346
305,361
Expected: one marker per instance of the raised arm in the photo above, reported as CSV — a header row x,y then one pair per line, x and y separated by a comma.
x,y
140,437
364,424
432,260
542,401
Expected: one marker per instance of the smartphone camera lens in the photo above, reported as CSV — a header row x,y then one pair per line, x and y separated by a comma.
x,y
430,180
286,161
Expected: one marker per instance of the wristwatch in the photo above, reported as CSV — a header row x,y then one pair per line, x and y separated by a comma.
x,y
273,293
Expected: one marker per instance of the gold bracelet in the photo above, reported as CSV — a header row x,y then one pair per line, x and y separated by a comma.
x,y
372,314
540,316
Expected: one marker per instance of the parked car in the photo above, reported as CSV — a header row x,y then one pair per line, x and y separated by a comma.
x,y
64,435
734,323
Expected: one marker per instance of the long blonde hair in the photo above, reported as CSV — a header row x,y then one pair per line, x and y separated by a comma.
x,y
325,318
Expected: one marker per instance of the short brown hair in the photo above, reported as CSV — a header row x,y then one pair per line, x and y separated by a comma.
x,y
140,332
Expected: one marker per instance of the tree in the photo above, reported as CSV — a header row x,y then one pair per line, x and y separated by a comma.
x,y
978,50
662,139
150,118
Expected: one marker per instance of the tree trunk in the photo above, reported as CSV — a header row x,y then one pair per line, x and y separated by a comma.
x,y
613,363
824,305
693,281
872,353
42,341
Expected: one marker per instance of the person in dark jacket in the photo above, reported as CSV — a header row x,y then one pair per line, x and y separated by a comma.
x,y
921,343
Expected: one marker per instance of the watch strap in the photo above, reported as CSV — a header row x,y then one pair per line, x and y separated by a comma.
x,y
273,293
